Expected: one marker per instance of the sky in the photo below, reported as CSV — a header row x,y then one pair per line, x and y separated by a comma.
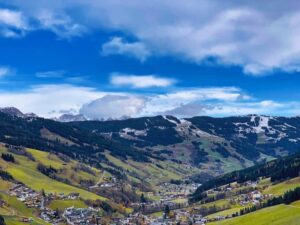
x,y
115,59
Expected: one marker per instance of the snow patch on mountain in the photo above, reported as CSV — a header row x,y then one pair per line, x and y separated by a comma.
x,y
127,131
185,128
168,118
263,123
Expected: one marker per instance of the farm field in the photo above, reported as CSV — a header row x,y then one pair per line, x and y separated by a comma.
x,y
62,204
281,188
26,172
276,215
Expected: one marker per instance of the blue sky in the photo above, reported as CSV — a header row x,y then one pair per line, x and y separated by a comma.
x,y
137,58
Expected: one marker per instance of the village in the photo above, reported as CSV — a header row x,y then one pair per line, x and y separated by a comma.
x,y
166,209
241,195
38,200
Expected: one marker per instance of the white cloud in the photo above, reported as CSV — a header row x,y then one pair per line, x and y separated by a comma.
x,y
189,110
267,107
4,71
52,100
140,81
12,23
162,103
12,18
117,46
49,100
259,37
60,24
113,106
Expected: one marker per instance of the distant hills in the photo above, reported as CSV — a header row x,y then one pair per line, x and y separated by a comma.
x,y
218,164
16,112
215,145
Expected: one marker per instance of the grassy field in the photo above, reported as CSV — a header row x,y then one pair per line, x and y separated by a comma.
x,y
281,188
276,215
218,203
25,171
66,169
46,158
227,212
148,171
14,220
38,181
62,204
296,204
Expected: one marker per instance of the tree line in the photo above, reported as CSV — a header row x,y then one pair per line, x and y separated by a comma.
x,y
278,170
287,198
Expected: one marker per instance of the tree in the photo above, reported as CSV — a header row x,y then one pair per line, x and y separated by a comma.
x,y
143,199
167,211
2,222
8,157
43,193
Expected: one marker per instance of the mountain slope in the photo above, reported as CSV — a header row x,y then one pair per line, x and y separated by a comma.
x,y
214,144
54,136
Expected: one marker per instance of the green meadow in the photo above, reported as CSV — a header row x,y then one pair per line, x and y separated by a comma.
x,y
275,215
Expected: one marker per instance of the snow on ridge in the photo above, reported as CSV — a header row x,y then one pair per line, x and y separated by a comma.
x,y
170,120
262,123
136,132
184,127
288,125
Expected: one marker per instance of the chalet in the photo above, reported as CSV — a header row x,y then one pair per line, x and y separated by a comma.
x,y
73,196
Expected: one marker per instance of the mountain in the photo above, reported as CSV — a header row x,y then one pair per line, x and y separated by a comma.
x,y
214,145
110,169
217,145
53,136
12,111
16,112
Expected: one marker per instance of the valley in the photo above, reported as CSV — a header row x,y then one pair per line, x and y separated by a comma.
x,y
149,112
158,170
33,198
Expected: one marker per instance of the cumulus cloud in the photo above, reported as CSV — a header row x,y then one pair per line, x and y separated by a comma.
x,y
117,46
140,81
49,100
60,24
236,108
188,100
16,23
52,100
257,36
113,107
12,23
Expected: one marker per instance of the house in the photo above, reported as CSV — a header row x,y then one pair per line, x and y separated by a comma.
x,y
73,196
26,220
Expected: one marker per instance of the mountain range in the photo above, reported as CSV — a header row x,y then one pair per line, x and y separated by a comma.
x,y
214,145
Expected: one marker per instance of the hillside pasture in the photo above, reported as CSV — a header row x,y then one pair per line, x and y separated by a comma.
x,y
275,215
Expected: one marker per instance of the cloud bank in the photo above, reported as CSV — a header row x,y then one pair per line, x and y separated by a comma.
x,y
257,36
95,104
113,107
